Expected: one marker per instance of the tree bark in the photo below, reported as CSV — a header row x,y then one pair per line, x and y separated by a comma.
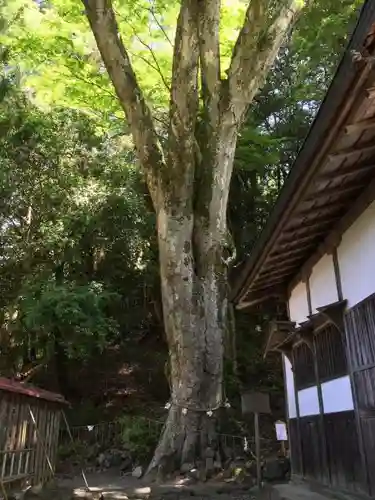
x,y
195,314
189,183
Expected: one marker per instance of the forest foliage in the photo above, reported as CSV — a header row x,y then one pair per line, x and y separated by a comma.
x,y
78,268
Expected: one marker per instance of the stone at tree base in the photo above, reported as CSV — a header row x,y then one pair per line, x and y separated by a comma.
x,y
276,469
217,465
126,465
101,459
187,467
209,466
137,472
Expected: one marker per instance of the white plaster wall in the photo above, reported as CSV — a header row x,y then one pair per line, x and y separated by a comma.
x,y
298,306
289,388
356,256
337,395
323,288
308,402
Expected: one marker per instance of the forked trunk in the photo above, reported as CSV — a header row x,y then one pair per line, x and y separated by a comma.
x,y
189,182
194,301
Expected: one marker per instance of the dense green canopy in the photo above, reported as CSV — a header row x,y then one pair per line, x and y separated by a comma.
x,y
78,267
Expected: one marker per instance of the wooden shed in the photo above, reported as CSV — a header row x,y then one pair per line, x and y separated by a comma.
x,y
29,432
314,268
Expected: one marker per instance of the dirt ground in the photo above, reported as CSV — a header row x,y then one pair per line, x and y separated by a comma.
x,y
115,487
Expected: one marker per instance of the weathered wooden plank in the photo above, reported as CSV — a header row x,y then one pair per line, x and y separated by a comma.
x,y
49,471
368,123
41,425
55,435
343,451
34,441
21,439
4,408
312,454
330,353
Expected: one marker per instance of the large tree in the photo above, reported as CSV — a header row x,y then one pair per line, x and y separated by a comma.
x,y
188,176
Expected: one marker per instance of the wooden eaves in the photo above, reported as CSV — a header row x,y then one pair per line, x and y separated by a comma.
x,y
329,186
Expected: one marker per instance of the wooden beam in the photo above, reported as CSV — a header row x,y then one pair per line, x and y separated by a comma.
x,y
349,171
267,274
271,281
334,191
353,150
277,255
370,93
323,208
278,333
331,313
302,227
297,238
256,297
267,281
368,123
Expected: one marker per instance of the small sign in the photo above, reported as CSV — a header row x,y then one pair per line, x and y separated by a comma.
x,y
281,431
255,402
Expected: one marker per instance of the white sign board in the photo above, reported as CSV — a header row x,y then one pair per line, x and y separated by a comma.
x,y
281,432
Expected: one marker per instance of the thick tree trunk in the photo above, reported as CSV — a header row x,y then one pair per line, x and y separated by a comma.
x,y
188,181
193,286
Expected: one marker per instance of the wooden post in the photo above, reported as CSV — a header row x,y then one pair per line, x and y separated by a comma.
x,y
257,449
72,441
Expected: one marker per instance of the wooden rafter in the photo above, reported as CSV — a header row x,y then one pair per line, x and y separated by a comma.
x,y
353,150
349,171
275,272
367,124
255,297
298,238
276,256
335,191
303,228
323,208
264,284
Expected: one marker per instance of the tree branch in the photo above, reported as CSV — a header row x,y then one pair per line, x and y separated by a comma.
x,y
116,59
155,67
152,12
266,24
209,29
184,101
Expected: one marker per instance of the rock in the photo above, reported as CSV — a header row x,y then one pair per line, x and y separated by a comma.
x,y
276,469
187,467
101,459
115,459
36,489
218,465
126,464
137,472
209,466
193,474
19,495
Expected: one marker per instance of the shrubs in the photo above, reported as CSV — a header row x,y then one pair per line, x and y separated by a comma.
x,y
128,442
139,436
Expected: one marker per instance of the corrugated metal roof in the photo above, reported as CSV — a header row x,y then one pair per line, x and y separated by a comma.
x,y
7,385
